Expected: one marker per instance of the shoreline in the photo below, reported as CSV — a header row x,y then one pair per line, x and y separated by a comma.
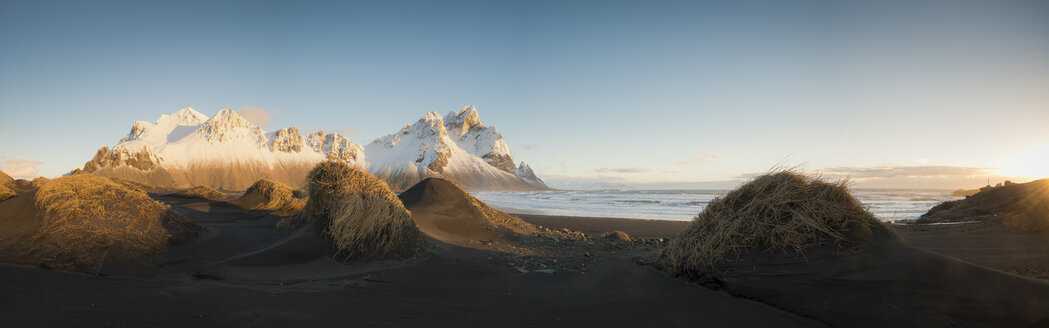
x,y
596,226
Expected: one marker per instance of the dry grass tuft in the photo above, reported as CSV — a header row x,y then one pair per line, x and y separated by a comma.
x,y
293,206
6,193
87,218
366,219
617,236
40,182
498,217
201,192
782,211
6,180
266,195
7,185
1031,213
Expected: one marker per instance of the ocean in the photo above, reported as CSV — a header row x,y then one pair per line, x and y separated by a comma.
x,y
683,205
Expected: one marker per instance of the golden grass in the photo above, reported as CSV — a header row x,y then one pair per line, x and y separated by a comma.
x,y
1031,214
201,192
6,193
6,180
6,186
87,217
39,182
498,217
366,219
266,195
781,211
293,206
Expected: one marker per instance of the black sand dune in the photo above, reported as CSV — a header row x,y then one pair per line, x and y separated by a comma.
x,y
445,212
808,247
305,255
240,271
988,243
888,284
452,287
1024,206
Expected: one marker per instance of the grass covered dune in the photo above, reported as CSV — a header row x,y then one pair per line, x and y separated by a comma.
x,y
349,216
808,247
7,185
779,212
91,224
783,250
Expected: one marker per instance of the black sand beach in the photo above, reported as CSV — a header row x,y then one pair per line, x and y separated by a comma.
x,y
579,281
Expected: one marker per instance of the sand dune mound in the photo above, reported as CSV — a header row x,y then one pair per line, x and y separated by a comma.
x,y
808,247
201,192
1023,206
448,213
783,211
91,224
7,185
365,218
270,195
350,215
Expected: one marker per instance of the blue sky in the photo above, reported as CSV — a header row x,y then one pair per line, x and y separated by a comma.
x,y
907,94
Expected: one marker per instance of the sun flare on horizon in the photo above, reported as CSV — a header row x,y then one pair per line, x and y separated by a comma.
x,y
1033,164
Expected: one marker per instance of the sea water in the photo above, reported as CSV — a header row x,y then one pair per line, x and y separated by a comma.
x,y
683,205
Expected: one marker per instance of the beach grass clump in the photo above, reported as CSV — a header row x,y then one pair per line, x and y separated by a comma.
x,y
7,185
201,192
1031,213
266,195
366,220
39,182
87,218
783,211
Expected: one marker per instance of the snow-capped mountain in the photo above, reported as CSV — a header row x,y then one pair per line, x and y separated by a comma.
x,y
457,147
229,152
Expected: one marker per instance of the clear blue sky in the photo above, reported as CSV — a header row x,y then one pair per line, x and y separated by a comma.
x,y
638,92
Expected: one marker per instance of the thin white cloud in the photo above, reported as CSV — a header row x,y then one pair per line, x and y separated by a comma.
x,y
884,172
20,168
907,171
257,115
702,158
622,170
346,132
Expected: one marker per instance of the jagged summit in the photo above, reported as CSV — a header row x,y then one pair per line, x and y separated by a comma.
x,y
186,116
152,134
228,124
462,121
470,134
227,151
525,172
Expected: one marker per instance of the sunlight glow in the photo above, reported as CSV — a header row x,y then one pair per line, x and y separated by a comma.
x,y
1032,164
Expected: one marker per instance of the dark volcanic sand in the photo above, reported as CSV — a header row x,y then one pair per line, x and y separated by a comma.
x,y
986,243
595,283
648,229
450,287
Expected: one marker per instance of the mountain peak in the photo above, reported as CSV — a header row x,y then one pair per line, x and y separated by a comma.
x,y
231,118
431,124
462,121
226,122
188,116
157,133
525,172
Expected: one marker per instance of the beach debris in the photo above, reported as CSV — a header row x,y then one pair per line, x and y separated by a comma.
x,y
617,236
